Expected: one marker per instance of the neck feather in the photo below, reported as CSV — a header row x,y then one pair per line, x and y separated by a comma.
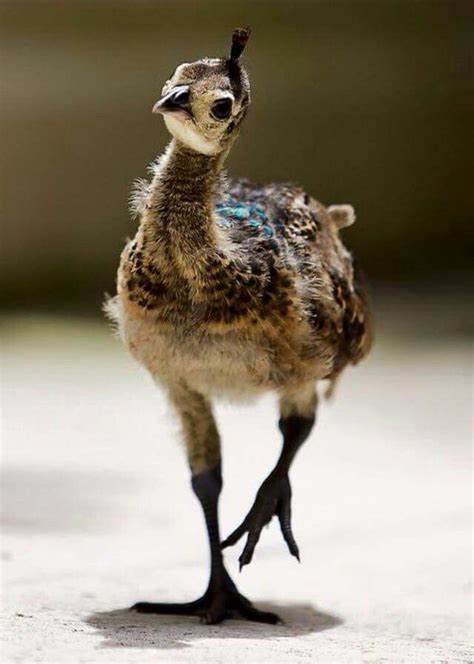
x,y
183,191
184,176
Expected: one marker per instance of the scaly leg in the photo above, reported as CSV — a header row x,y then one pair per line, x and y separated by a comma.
x,y
297,415
222,599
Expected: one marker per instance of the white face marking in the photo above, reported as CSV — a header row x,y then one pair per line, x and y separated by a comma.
x,y
185,131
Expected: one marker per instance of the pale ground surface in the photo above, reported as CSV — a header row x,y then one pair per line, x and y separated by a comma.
x,y
98,512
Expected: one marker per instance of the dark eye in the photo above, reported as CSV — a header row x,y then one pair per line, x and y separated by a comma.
x,y
221,109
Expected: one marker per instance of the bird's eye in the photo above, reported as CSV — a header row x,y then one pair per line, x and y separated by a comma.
x,y
221,109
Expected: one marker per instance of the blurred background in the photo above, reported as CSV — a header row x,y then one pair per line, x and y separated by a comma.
x,y
361,102
364,102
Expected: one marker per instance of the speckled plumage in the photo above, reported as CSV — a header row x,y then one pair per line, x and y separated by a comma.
x,y
230,289
276,278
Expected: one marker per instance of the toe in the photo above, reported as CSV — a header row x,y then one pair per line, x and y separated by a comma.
x,y
142,607
247,554
213,617
235,535
284,517
180,609
251,613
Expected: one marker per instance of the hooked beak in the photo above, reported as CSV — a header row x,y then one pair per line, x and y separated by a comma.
x,y
176,102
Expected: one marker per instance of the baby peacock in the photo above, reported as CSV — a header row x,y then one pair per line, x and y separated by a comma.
x,y
231,288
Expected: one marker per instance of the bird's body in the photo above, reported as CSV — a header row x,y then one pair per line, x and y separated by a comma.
x,y
272,305
230,289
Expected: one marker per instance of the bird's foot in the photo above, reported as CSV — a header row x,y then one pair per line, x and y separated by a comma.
x,y
221,601
273,498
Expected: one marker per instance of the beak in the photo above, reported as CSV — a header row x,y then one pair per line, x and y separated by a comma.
x,y
176,101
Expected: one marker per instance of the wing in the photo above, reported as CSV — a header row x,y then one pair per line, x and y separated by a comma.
x,y
350,294
305,235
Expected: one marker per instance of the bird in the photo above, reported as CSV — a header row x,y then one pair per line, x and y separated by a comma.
x,y
232,289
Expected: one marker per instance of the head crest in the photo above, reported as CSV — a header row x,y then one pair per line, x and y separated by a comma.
x,y
239,40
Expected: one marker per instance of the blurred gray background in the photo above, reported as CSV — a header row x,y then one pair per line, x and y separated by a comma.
x,y
361,102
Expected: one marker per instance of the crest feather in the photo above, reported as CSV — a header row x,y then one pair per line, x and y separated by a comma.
x,y
240,38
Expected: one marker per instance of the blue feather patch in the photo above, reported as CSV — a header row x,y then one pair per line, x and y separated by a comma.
x,y
231,212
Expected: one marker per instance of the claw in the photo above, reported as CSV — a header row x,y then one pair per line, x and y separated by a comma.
x,y
284,516
273,498
247,554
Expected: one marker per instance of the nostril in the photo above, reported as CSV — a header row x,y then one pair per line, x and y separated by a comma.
x,y
177,99
180,97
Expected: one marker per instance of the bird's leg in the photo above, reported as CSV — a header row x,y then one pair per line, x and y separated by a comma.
x,y
222,599
297,410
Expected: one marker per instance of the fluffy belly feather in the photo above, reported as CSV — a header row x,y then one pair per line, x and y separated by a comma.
x,y
213,364
226,364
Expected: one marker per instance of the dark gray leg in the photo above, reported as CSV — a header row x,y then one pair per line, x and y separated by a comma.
x,y
221,599
274,496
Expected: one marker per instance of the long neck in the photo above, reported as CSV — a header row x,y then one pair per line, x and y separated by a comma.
x,y
182,197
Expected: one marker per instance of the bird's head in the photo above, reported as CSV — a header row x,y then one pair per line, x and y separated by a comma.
x,y
204,102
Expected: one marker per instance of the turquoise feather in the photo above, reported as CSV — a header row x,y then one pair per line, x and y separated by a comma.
x,y
231,211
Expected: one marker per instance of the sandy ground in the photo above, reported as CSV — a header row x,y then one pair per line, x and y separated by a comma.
x,y
98,512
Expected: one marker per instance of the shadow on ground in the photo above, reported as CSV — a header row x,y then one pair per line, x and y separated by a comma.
x,y
128,629
65,499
